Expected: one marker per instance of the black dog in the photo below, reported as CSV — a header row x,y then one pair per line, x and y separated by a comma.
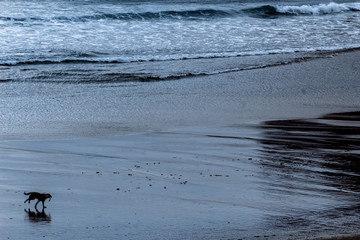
x,y
41,197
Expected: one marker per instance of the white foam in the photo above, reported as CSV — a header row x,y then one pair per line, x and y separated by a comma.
x,y
318,9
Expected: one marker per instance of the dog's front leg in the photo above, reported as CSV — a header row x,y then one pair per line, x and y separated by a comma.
x,y
37,204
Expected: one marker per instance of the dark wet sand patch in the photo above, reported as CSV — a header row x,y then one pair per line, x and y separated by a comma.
x,y
316,157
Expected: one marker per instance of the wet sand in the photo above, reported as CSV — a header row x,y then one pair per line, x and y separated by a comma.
x,y
284,165
291,179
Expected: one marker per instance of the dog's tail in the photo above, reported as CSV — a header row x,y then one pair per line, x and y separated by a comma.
x,y
26,193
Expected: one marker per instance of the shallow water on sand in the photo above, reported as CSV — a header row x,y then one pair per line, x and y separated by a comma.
x,y
274,180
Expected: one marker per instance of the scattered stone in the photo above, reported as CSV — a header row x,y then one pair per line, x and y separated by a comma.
x,y
164,187
249,158
218,175
118,189
129,174
136,166
97,172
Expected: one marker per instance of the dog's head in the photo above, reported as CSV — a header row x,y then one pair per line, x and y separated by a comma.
x,y
48,196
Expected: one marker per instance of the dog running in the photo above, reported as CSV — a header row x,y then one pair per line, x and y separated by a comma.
x,y
41,197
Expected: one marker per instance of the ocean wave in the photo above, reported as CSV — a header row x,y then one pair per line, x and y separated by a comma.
x,y
199,14
185,14
321,9
180,15
115,60
107,74
89,77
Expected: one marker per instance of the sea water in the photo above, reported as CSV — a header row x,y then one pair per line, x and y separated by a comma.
x,y
99,31
58,56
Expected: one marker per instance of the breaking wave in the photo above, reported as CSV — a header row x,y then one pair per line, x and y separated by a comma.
x,y
321,9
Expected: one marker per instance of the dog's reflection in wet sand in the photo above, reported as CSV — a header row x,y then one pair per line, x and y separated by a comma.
x,y
36,216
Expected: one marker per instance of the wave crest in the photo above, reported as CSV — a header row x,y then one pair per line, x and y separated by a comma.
x,y
321,9
318,9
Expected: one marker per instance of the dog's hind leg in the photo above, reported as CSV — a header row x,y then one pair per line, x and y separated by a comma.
x,y
27,200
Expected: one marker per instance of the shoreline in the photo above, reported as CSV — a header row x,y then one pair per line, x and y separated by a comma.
x,y
307,88
236,155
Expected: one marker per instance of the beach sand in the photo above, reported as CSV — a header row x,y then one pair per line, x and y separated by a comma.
x,y
257,154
